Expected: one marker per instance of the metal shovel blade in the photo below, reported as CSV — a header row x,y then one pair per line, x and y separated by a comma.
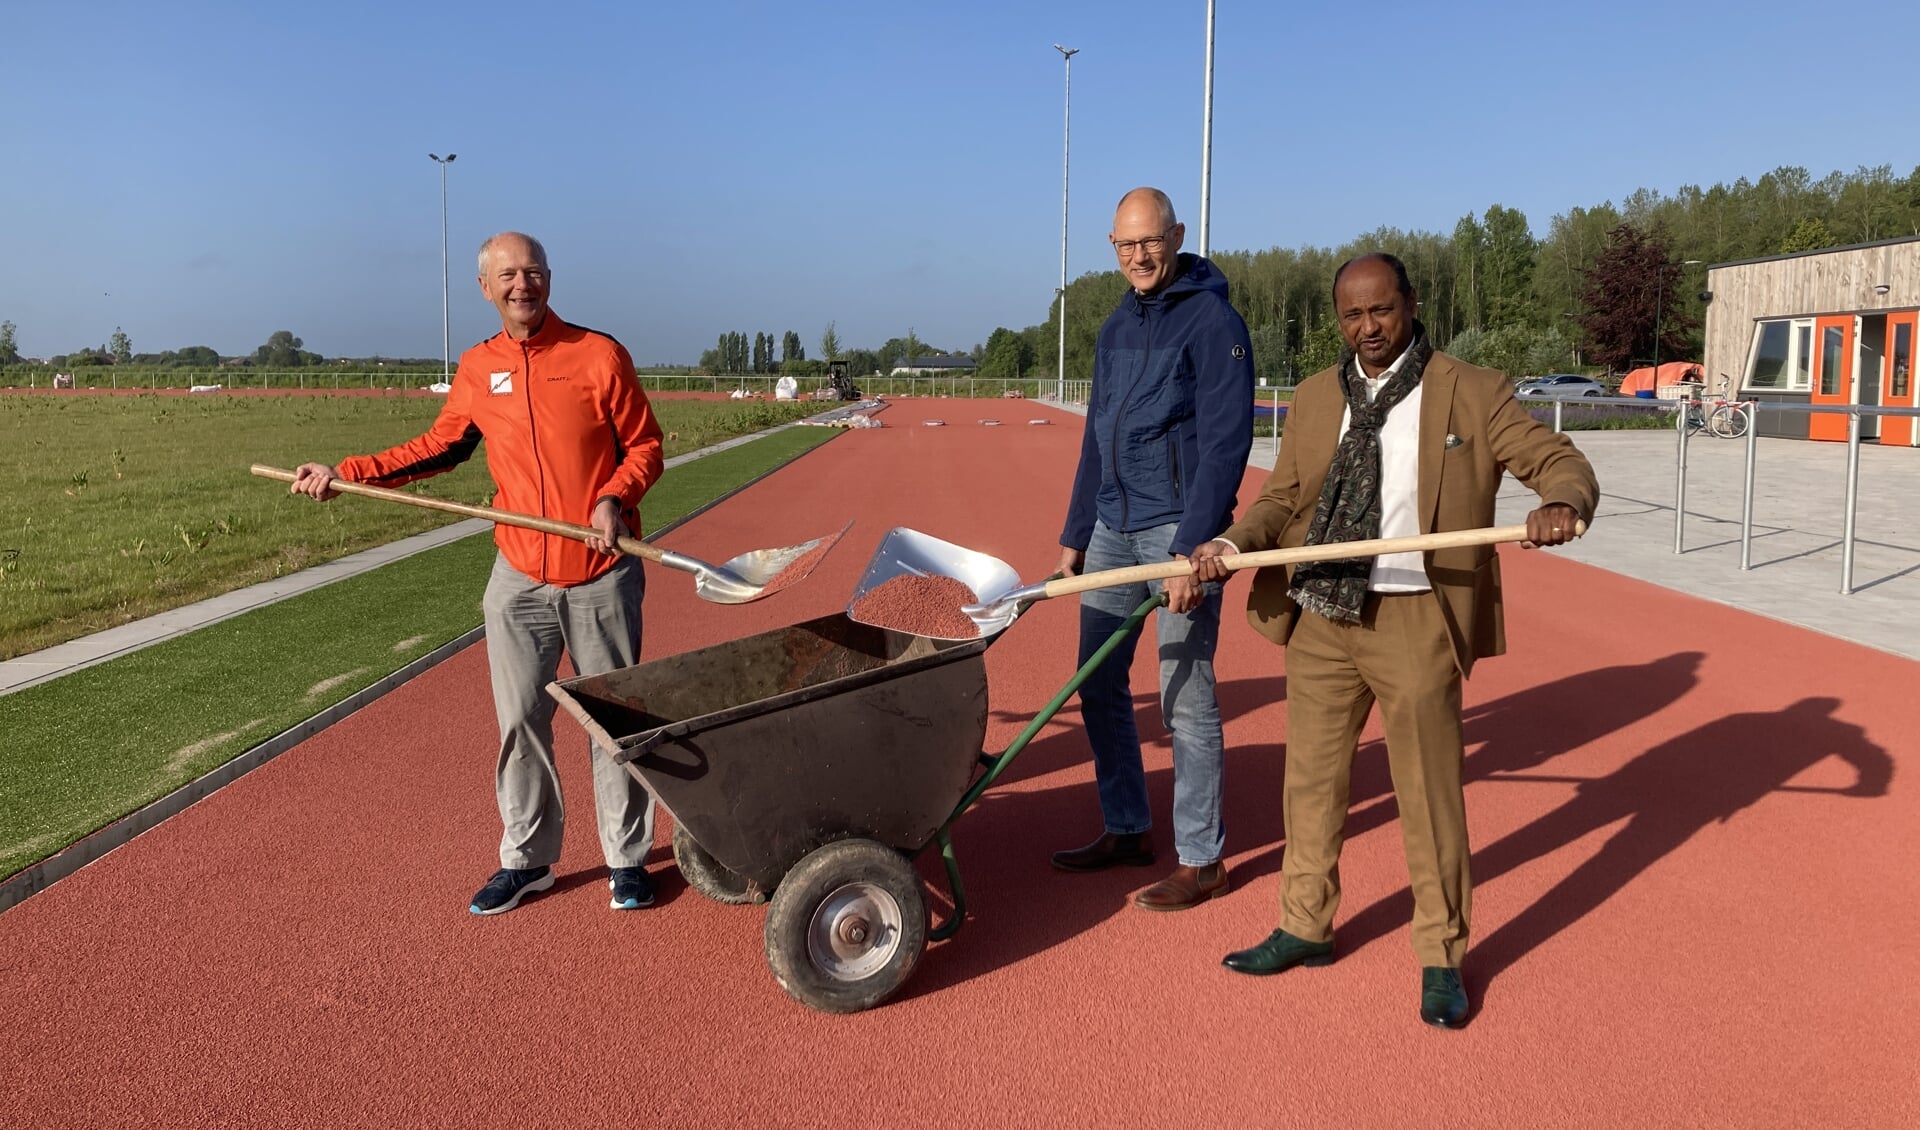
x,y
905,552
994,613
755,573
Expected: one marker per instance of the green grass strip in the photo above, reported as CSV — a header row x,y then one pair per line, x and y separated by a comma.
x,y
81,751
116,508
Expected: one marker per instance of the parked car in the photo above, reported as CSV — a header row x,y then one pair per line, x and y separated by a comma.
x,y
1559,386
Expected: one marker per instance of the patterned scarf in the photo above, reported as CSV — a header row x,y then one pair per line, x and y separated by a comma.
x,y
1349,507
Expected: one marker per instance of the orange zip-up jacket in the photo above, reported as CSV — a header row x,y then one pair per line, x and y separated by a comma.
x,y
566,424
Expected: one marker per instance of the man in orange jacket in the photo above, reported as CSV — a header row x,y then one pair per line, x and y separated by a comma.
x,y
570,435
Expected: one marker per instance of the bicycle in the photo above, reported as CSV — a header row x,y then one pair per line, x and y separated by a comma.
x,y
1727,419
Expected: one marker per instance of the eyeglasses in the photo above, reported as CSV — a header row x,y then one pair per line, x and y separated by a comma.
x,y
1151,245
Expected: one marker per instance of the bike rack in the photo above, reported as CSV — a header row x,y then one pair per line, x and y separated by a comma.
x,y
1750,409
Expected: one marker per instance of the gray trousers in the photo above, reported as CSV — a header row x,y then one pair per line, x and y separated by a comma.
x,y
528,625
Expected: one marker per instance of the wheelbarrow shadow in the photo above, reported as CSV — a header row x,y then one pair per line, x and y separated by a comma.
x,y
1251,787
1019,905
1237,697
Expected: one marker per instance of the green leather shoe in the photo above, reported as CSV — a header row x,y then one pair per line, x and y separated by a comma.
x,y
1443,1001
1279,953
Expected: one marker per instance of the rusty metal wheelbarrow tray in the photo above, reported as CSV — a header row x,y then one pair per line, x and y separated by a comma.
x,y
812,763
767,747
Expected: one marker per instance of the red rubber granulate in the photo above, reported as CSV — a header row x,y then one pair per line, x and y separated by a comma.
x,y
925,606
799,567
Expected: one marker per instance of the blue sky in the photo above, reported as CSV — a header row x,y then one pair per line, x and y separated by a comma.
x,y
207,173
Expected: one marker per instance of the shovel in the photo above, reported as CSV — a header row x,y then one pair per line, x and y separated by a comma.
x,y
1002,597
750,576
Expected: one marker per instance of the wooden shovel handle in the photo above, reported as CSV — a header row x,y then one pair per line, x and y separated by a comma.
x,y
628,545
1452,539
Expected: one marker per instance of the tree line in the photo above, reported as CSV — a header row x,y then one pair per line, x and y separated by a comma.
x,y
281,350
1588,294
733,354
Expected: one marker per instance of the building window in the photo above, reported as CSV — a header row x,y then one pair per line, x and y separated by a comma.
x,y
1902,359
1782,355
1831,339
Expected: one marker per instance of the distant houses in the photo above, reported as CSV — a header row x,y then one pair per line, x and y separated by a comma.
x,y
942,365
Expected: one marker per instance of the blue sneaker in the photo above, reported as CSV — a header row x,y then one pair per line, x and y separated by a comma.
x,y
508,886
632,890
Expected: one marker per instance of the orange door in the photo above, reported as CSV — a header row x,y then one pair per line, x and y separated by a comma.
x,y
1832,375
1896,386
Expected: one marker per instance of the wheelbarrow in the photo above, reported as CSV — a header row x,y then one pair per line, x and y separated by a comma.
x,y
809,766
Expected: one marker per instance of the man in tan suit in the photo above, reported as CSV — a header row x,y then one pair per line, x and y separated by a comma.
x,y
1397,440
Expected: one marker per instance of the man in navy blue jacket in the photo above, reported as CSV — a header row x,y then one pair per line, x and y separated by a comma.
x,y
1169,424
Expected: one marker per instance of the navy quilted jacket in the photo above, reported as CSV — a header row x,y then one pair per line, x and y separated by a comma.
x,y
1170,420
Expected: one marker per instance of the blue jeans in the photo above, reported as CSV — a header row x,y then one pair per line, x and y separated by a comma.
x,y
1187,700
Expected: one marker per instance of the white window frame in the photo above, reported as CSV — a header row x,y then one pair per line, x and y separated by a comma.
x,y
1800,368
1799,377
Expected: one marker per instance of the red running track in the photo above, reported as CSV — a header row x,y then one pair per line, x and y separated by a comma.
x,y
1697,900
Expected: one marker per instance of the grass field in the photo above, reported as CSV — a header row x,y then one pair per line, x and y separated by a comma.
x,y
114,508
83,750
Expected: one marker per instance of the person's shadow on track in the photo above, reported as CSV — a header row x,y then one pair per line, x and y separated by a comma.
x,y
1665,796
1511,734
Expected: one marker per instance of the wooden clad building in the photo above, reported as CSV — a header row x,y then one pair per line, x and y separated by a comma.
x,y
1839,326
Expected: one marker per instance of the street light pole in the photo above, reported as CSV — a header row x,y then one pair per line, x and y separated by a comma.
x,y
1066,148
1286,335
446,331
1206,139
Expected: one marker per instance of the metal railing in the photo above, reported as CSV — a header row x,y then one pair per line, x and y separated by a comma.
x,y
1750,410
1559,404
763,385
1079,392
323,377
1275,409
154,380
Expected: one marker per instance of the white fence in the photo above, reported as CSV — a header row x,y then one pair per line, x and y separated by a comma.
x,y
761,384
320,377
153,380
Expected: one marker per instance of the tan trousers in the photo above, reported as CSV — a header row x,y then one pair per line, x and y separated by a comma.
x,y
1399,655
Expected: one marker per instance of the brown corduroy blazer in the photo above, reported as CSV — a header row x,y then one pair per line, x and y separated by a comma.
x,y
1472,429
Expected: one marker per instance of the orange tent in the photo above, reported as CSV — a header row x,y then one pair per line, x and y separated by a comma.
x,y
1651,380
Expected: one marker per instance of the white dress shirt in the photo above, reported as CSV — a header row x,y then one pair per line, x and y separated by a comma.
x,y
1399,485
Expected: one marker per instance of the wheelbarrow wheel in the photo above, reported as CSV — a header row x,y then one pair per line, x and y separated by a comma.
x,y
706,874
847,926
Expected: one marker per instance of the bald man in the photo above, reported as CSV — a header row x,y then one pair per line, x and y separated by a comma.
x,y
1169,425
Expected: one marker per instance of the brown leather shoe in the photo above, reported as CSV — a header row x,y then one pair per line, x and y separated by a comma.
x,y
1108,851
1186,887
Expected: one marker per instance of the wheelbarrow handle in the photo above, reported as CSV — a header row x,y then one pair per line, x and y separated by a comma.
x,y
629,545
1418,543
